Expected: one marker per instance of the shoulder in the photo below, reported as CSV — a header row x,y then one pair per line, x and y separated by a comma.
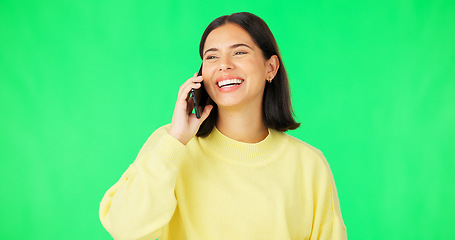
x,y
301,146
308,155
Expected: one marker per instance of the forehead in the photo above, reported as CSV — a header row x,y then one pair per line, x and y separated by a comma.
x,y
228,35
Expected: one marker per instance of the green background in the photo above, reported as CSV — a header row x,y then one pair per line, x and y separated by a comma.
x,y
84,83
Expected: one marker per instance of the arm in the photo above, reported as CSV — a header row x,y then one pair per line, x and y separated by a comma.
x,y
142,202
333,228
328,223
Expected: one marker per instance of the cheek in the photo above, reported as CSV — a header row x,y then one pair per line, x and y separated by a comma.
x,y
253,66
204,73
206,70
206,76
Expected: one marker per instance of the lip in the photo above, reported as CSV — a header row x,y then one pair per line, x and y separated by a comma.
x,y
227,77
228,88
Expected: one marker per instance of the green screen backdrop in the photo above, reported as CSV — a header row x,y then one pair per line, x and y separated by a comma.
x,y
84,83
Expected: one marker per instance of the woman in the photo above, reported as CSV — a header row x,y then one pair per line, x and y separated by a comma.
x,y
233,173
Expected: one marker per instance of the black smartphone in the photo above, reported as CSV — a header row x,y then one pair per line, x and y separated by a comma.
x,y
199,96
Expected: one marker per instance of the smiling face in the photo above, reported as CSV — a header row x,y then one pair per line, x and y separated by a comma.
x,y
234,68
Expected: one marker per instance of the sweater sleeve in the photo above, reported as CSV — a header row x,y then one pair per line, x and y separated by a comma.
x,y
333,228
142,202
329,224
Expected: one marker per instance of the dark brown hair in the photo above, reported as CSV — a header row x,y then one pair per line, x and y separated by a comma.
x,y
276,104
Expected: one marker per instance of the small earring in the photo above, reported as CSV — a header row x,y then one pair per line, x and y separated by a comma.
x,y
270,80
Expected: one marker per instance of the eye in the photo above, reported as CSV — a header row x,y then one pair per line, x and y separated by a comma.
x,y
210,57
240,53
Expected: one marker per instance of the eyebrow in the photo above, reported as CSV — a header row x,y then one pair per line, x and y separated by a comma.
x,y
231,47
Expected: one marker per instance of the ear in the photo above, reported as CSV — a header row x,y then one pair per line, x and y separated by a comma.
x,y
272,66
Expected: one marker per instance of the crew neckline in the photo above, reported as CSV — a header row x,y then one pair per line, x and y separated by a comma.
x,y
232,150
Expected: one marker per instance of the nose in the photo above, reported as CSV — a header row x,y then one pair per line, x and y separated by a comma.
x,y
226,64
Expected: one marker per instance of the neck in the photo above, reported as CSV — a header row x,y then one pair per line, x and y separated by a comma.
x,y
244,125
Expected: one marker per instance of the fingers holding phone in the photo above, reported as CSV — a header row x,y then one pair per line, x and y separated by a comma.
x,y
185,124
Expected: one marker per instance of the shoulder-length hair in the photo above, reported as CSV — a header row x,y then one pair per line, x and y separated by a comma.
x,y
276,104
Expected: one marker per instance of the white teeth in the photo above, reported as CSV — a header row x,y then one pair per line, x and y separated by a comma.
x,y
229,82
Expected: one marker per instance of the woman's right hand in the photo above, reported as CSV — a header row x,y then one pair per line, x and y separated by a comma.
x,y
184,123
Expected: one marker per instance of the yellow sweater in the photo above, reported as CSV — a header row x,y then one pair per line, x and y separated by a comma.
x,y
217,188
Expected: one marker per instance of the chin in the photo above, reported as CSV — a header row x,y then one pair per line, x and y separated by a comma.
x,y
228,104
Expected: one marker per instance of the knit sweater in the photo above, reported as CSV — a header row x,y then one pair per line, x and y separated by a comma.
x,y
219,188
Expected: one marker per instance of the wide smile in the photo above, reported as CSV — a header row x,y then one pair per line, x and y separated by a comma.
x,y
229,83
